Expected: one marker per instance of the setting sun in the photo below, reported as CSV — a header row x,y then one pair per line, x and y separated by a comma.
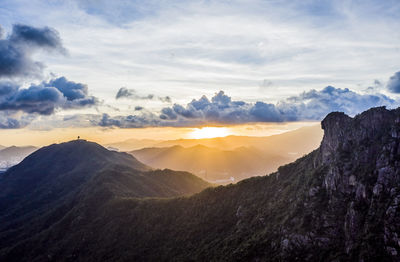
x,y
210,132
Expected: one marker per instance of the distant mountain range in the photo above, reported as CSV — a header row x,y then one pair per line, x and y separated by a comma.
x,y
133,144
213,164
12,155
293,143
80,202
229,159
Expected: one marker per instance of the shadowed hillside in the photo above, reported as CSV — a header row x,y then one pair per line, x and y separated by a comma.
x,y
38,193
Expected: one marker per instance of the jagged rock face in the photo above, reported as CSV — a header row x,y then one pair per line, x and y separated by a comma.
x,y
361,183
342,133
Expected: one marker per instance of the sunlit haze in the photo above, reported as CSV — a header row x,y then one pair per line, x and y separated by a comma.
x,y
23,136
210,132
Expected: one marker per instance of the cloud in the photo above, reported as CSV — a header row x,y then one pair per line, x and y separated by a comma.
x,y
16,50
46,97
394,83
19,106
313,105
376,87
36,37
70,89
9,123
282,41
222,110
76,94
117,11
11,120
266,84
165,99
168,114
130,121
124,92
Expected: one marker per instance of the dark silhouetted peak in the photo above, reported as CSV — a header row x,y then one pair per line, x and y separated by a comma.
x,y
334,120
78,154
72,180
61,168
342,132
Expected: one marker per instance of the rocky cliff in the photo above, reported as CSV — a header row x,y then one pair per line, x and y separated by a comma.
x,y
361,184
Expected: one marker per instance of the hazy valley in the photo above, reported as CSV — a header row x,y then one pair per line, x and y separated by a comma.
x,y
10,156
229,159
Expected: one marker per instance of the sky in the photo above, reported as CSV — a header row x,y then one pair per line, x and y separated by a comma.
x,y
126,67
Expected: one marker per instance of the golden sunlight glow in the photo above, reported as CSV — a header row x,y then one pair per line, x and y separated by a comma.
x,y
104,136
210,132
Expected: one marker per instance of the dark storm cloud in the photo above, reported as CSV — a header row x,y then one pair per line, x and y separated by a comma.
x,y
45,98
394,83
17,48
70,89
221,109
7,88
35,99
40,37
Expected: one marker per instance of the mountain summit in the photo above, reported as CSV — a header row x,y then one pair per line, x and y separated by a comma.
x,y
73,179
339,203
60,169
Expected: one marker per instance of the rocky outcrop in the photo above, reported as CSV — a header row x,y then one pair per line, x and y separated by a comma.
x,y
361,185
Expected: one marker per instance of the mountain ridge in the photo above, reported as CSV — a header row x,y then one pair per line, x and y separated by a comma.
x,y
341,202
